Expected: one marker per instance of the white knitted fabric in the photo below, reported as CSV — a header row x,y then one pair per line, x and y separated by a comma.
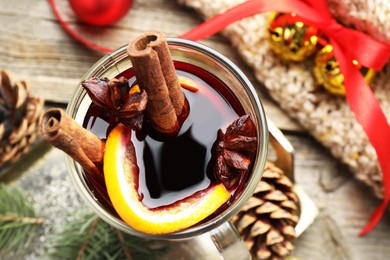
x,y
327,117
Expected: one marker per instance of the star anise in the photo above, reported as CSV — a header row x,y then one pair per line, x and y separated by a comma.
x,y
233,151
115,97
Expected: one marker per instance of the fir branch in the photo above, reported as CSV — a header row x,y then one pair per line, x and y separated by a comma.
x,y
18,221
22,220
91,229
89,237
121,239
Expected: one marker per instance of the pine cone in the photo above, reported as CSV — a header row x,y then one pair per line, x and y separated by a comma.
x,y
266,223
19,118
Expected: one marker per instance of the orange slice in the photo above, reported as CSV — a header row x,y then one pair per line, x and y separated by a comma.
x,y
121,176
188,83
185,82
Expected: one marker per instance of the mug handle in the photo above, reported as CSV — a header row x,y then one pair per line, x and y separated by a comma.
x,y
221,243
228,243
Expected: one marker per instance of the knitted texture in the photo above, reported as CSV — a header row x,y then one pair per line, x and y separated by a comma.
x,y
327,117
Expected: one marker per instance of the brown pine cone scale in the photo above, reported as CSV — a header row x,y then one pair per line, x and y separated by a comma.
x,y
267,221
19,119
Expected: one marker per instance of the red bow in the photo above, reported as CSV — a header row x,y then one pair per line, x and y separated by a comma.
x,y
348,45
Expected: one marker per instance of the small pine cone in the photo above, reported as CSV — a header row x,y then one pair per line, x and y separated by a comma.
x,y
267,222
19,119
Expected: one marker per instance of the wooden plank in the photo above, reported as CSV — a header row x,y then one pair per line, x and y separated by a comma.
x,y
323,240
33,46
344,199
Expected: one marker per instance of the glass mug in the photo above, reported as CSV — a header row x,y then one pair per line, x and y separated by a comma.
x,y
217,237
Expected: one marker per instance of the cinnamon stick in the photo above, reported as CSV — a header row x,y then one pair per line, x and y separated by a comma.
x,y
63,132
155,72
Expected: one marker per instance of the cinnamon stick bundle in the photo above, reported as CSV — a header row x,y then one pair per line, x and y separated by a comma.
x,y
155,72
63,132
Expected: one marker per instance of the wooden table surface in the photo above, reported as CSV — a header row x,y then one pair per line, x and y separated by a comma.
x,y
33,46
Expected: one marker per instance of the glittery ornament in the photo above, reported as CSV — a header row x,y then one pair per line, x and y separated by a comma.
x,y
291,38
327,71
100,12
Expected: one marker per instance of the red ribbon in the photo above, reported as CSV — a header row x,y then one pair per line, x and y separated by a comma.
x,y
73,33
348,45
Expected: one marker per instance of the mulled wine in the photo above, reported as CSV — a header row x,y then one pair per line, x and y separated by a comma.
x,y
171,169
163,181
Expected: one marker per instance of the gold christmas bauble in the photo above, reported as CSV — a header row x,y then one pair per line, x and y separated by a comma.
x,y
327,71
291,38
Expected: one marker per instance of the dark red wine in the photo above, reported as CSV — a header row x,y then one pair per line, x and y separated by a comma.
x,y
175,168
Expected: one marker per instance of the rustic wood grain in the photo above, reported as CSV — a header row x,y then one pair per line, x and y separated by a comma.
x,y
33,46
330,244
348,203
